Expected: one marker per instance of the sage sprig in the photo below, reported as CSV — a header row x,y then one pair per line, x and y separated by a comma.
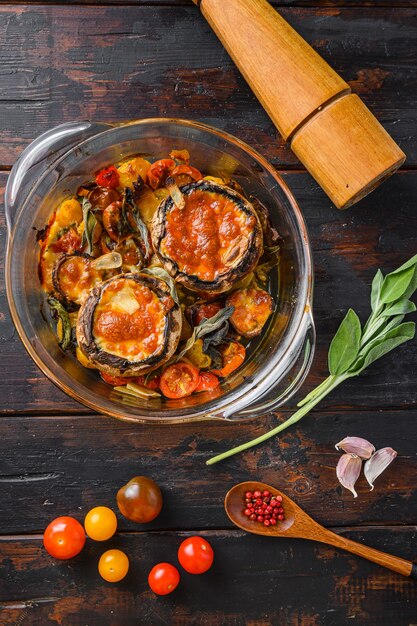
x,y
90,223
354,347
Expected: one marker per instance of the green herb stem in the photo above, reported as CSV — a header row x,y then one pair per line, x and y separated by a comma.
x,y
332,382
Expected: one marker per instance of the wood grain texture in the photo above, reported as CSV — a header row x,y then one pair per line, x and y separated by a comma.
x,y
337,589
58,465
104,63
348,248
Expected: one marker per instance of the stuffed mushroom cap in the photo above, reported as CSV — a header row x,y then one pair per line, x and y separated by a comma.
x,y
129,325
209,241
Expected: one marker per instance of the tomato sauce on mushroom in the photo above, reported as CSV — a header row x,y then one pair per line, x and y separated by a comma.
x,y
205,238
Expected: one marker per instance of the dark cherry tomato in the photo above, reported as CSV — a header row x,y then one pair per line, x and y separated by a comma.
x,y
64,538
163,579
207,382
140,500
195,554
69,242
233,356
107,244
159,171
112,221
179,380
108,177
100,197
197,312
185,173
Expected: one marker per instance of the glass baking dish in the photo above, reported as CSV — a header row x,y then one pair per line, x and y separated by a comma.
x,y
57,163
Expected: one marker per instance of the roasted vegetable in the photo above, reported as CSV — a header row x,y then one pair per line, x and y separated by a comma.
x,y
73,275
129,325
252,307
63,322
212,242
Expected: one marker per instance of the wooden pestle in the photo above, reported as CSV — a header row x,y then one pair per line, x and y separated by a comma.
x,y
331,131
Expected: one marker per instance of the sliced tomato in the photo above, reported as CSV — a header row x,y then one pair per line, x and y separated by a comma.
x,y
179,380
69,242
233,356
159,171
185,173
108,177
207,381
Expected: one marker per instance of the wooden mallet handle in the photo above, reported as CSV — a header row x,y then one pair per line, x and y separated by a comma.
x,y
331,131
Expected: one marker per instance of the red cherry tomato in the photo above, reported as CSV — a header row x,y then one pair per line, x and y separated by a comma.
x,y
69,242
118,381
64,538
151,383
207,382
179,380
206,310
108,177
196,555
163,579
159,171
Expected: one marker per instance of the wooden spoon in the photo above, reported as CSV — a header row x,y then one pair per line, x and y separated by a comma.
x,y
299,525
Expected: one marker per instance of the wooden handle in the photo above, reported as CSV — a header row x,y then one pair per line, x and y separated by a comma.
x,y
307,100
395,563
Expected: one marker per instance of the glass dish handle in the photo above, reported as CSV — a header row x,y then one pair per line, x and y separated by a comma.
x,y
280,391
39,155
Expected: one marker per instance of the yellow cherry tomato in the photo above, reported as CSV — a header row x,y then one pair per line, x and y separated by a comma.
x,y
113,565
100,523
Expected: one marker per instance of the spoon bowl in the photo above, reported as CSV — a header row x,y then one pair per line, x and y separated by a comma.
x,y
298,524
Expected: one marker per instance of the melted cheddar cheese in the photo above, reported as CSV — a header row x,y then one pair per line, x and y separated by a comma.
x,y
129,321
76,276
208,236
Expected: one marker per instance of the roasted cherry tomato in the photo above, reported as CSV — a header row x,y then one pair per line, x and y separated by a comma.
x,y
69,242
140,500
112,221
100,523
108,177
159,171
252,307
101,198
116,381
205,310
185,173
183,156
113,565
207,382
163,579
179,380
195,554
233,356
119,381
64,538
151,383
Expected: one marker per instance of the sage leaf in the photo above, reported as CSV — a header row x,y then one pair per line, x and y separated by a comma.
x,y
402,307
129,202
162,274
206,327
376,289
388,342
62,314
345,344
395,285
90,223
410,263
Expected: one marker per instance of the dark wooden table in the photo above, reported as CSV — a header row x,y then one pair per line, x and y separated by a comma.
x,y
122,59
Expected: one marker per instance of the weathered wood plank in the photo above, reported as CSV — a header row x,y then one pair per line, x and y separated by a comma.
x,y
66,465
314,4
249,583
348,248
108,63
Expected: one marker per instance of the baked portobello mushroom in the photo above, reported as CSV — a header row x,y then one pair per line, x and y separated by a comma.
x,y
73,275
210,239
129,325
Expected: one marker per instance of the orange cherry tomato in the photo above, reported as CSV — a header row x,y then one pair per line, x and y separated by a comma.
x,y
163,579
100,523
207,382
179,380
195,555
233,356
108,177
159,172
113,565
183,174
64,538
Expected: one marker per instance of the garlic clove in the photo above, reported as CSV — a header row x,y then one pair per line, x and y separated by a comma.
x,y
348,470
356,445
378,463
